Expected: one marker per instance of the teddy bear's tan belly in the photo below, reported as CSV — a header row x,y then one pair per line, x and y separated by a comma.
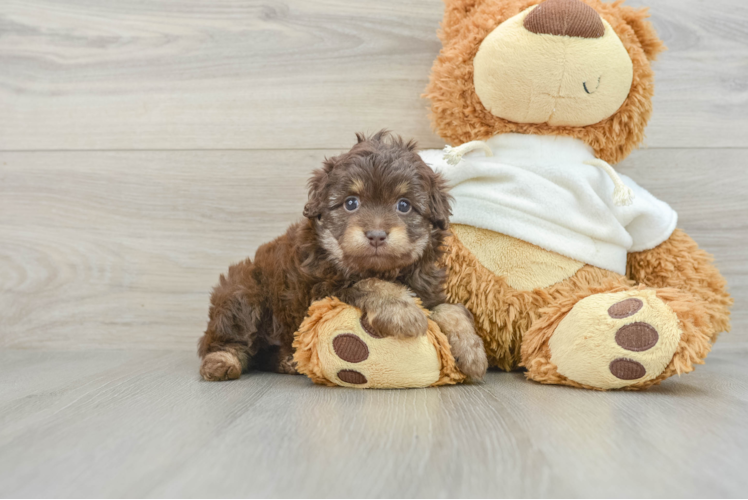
x,y
523,265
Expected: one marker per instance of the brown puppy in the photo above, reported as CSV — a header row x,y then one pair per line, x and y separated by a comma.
x,y
376,220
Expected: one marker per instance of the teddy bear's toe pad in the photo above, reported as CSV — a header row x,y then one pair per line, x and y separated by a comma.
x,y
352,354
613,340
625,308
350,348
627,369
637,336
352,377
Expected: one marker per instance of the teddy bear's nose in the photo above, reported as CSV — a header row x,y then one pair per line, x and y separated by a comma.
x,y
565,18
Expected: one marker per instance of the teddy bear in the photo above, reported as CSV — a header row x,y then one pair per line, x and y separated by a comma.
x,y
572,271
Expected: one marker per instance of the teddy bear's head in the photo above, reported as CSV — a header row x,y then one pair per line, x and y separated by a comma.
x,y
579,68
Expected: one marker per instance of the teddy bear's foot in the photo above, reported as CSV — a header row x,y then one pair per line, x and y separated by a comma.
x,y
355,354
221,365
628,339
337,345
615,340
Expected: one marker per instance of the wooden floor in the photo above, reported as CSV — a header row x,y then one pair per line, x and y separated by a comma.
x,y
145,146
141,423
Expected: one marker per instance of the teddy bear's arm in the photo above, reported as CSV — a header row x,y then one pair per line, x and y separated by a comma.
x,y
679,263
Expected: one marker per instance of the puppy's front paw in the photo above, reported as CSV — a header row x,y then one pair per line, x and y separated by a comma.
x,y
220,365
456,322
287,365
398,319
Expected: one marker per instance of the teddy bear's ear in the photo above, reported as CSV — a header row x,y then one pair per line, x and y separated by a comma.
x,y
637,19
456,11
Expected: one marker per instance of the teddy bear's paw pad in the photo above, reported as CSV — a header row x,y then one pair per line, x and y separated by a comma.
x,y
350,348
625,308
352,377
627,369
353,354
613,340
637,337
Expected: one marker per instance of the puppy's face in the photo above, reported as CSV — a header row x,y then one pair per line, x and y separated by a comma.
x,y
378,207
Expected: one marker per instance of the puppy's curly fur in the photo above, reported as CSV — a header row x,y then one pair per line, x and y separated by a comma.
x,y
376,220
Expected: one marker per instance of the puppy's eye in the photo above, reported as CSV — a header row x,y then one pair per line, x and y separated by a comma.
x,y
403,206
351,203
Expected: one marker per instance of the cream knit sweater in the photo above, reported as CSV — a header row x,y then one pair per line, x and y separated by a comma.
x,y
539,189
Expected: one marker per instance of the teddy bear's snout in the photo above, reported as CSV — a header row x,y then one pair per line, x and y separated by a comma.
x,y
565,18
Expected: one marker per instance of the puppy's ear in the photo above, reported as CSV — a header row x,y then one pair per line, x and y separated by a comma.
x,y
318,189
440,200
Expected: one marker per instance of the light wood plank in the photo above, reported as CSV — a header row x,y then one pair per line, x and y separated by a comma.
x,y
248,74
133,424
121,438
121,250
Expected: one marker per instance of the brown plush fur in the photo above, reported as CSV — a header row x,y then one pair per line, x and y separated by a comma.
x,y
257,307
306,353
458,115
502,314
680,263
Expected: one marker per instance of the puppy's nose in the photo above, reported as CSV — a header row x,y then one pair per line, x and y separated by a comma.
x,y
565,18
377,237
